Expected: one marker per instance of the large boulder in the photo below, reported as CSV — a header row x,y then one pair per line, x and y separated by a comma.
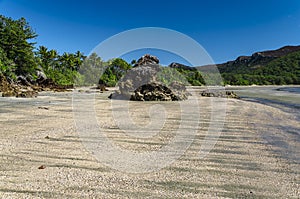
x,y
153,92
145,77
137,77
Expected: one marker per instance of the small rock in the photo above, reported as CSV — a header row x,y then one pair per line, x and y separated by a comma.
x,y
43,107
217,93
42,167
102,87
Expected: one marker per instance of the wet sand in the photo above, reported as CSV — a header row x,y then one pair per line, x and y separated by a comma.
x,y
255,156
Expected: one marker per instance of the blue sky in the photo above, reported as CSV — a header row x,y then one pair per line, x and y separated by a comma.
x,y
225,28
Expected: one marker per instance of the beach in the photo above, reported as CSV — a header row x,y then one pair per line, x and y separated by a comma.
x,y
254,155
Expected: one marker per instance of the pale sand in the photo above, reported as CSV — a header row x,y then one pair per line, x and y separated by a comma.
x,y
256,156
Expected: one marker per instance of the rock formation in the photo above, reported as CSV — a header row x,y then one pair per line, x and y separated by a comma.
x,y
217,93
153,92
17,90
26,87
146,60
142,83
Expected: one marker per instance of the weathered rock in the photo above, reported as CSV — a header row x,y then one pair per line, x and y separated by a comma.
x,y
102,87
26,94
145,77
6,89
16,90
41,77
217,93
137,77
154,92
147,60
23,81
181,66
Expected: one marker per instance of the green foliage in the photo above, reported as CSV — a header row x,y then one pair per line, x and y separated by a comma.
x,y
62,69
280,71
14,41
114,72
168,75
17,57
91,70
7,67
192,76
66,77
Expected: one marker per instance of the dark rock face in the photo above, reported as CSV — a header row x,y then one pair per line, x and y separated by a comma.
x,y
216,93
147,60
6,89
23,81
18,90
26,87
182,66
153,92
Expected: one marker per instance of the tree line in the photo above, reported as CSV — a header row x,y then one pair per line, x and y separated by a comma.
x,y
20,57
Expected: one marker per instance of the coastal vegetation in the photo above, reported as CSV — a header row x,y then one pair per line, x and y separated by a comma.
x,y
280,71
19,56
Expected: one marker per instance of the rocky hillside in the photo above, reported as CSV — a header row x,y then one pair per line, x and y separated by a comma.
x,y
272,67
256,60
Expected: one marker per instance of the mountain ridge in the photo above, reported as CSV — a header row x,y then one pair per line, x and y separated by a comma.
x,y
279,66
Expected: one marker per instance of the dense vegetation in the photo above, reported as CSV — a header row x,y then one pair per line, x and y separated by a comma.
x,y
279,71
114,72
20,57
16,53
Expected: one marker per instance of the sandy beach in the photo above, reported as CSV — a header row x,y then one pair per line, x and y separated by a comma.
x,y
256,155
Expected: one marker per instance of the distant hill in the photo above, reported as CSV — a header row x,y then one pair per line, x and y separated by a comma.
x,y
272,67
259,59
281,66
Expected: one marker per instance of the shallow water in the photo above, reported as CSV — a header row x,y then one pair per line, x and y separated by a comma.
x,y
284,97
290,89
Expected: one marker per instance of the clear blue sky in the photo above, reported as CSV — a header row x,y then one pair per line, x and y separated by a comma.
x,y
225,28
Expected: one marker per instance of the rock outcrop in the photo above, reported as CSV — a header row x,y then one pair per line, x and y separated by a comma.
x,y
147,60
26,87
141,83
12,89
182,66
217,93
153,92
